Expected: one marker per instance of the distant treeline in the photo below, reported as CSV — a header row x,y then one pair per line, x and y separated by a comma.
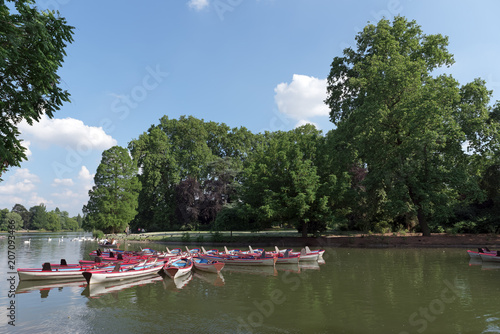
x,y
38,218
412,151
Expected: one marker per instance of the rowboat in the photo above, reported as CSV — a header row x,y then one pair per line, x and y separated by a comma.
x,y
120,273
243,259
477,255
490,257
177,268
305,254
72,272
320,252
108,243
207,265
193,251
286,257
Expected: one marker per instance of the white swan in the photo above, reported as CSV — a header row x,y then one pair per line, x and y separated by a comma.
x,y
49,239
27,241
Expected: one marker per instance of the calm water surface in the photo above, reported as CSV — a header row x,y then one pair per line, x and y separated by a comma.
x,y
354,291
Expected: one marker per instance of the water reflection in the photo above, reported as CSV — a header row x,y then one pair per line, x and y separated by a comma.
x,y
252,270
215,279
31,286
99,289
355,291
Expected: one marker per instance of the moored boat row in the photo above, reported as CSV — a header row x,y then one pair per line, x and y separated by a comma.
x,y
114,264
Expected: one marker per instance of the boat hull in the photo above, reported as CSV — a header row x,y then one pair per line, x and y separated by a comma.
x,y
178,268
489,257
243,261
99,276
207,265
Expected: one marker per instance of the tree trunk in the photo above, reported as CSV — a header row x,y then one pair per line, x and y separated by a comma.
x,y
426,232
304,230
422,221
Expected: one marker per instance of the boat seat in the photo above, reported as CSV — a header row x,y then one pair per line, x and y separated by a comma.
x,y
120,256
63,262
46,267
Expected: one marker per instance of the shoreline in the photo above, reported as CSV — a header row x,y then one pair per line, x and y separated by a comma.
x,y
414,240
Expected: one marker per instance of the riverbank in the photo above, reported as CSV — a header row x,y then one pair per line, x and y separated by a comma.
x,y
285,239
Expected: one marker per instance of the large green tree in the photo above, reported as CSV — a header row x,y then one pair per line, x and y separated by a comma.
x,y
38,217
11,218
32,48
405,124
176,152
159,174
113,199
25,214
280,180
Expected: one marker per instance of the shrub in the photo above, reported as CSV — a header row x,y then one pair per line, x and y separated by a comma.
x,y
216,237
98,234
186,237
466,226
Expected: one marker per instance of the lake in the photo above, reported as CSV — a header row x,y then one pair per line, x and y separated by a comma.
x,y
354,291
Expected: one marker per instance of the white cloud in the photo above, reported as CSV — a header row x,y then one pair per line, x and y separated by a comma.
x,y
198,4
304,122
67,132
302,98
20,187
85,175
66,195
21,182
26,144
62,182
87,179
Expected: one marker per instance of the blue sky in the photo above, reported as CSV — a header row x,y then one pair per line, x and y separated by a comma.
x,y
260,64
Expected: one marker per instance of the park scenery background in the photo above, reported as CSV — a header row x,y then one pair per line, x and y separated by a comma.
x,y
408,146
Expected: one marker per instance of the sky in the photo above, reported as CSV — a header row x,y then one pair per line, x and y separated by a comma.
x,y
258,64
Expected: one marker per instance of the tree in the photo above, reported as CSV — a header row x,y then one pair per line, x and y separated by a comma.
x,y
406,126
188,195
79,221
177,151
38,217
11,217
32,47
152,152
53,221
113,199
3,213
280,180
25,215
